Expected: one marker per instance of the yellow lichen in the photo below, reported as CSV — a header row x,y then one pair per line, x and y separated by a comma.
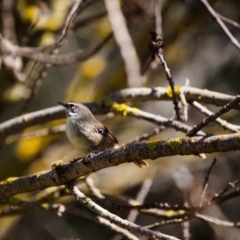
x,y
175,143
170,213
181,212
38,175
56,164
45,206
152,144
177,90
8,180
123,109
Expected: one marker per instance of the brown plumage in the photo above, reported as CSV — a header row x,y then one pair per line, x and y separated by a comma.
x,y
86,133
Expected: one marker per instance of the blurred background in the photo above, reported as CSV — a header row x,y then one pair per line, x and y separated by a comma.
x,y
195,48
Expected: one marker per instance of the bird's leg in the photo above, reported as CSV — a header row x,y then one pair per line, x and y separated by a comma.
x,y
89,156
76,159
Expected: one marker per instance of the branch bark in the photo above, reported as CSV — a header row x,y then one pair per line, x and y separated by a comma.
x,y
62,174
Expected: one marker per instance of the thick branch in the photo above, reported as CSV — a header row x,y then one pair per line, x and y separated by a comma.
x,y
145,150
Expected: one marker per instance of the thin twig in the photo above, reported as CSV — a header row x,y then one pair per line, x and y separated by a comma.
x,y
147,136
68,25
186,230
157,119
142,194
224,190
158,17
215,220
87,202
221,24
95,191
184,106
60,209
205,184
8,29
214,116
64,59
167,222
224,197
41,70
156,46
230,21
100,220
221,122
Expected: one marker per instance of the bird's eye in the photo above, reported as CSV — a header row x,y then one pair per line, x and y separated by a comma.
x,y
72,106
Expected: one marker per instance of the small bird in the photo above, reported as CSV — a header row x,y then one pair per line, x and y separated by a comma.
x,y
86,133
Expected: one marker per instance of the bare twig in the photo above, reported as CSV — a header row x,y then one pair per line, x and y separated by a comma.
x,y
156,119
70,18
124,42
221,122
87,202
186,230
156,45
142,194
65,59
221,24
95,191
215,220
205,184
41,69
60,209
158,17
184,106
225,197
146,136
167,222
224,190
187,218
214,116
100,220
8,24
230,21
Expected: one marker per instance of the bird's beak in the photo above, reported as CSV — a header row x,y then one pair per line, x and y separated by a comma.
x,y
63,104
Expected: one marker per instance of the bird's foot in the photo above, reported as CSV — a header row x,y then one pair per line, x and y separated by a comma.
x,y
89,156
76,159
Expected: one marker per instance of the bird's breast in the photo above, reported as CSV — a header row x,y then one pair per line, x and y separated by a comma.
x,y
84,137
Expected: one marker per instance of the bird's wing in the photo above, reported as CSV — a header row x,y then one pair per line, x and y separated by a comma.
x,y
105,132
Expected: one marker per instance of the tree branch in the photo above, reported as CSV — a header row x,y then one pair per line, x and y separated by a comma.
x,y
87,202
103,106
62,174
